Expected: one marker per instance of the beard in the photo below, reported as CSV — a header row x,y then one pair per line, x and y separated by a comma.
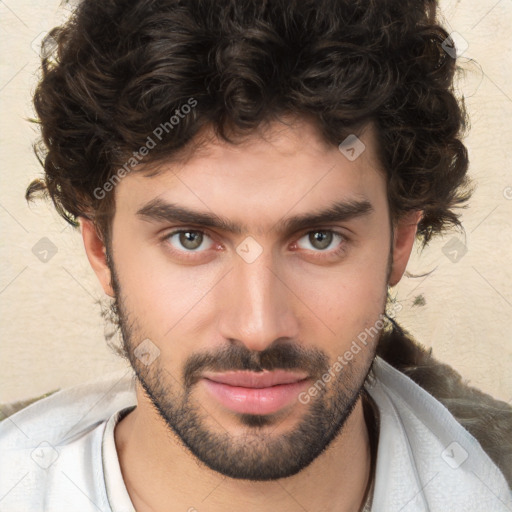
x,y
258,453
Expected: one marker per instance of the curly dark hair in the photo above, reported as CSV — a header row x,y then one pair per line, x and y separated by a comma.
x,y
118,69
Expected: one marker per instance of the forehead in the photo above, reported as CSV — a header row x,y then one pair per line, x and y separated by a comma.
x,y
288,167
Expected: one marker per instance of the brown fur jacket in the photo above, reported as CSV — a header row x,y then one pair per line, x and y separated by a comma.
x,y
487,419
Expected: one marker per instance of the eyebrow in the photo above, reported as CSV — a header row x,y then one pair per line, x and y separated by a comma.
x,y
158,210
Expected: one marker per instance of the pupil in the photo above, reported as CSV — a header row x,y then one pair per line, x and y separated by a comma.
x,y
320,239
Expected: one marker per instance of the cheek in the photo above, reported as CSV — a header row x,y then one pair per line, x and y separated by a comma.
x,y
349,305
167,302
345,300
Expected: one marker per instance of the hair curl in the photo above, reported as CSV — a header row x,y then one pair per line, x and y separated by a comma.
x,y
119,68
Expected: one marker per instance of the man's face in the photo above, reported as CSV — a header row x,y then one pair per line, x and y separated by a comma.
x,y
259,292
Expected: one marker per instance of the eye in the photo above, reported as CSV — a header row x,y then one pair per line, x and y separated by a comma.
x,y
188,240
320,240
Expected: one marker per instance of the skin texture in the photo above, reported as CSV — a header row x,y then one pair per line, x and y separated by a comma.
x,y
294,307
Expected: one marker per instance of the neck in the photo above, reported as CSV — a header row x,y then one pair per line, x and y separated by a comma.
x,y
158,471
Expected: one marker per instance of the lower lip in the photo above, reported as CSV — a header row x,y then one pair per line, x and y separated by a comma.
x,y
255,400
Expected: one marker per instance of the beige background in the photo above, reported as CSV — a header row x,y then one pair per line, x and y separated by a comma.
x,y
51,331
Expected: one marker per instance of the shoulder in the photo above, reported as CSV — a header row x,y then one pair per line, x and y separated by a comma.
x,y
487,419
66,413
42,446
425,455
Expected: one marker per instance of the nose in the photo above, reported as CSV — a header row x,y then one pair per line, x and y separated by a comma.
x,y
261,307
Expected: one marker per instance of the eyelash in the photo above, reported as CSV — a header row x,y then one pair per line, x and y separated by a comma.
x,y
318,253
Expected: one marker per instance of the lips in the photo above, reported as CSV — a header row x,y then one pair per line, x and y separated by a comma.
x,y
261,393
248,379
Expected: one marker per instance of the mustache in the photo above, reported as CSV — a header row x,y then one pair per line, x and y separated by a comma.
x,y
282,356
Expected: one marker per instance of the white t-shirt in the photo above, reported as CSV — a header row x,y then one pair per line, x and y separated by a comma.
x,y
59,455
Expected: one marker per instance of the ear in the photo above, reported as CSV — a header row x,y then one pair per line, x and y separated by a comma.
x,y
96,254
403,241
